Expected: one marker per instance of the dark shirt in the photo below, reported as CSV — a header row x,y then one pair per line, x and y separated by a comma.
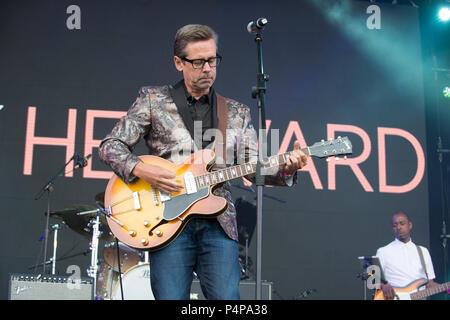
x,y
202,110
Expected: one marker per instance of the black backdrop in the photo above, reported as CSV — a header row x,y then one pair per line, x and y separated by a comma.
x,y
327,70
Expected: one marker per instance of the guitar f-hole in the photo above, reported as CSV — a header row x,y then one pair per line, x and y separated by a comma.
x,y
150,233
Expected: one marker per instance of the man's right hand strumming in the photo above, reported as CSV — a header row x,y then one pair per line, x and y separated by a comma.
x,y
158,177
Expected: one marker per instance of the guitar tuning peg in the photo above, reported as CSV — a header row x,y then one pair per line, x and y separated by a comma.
x,y
336,158
345,157
327,159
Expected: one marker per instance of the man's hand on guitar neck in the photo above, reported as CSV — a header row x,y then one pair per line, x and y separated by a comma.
x,y
431,283
296,161
158,177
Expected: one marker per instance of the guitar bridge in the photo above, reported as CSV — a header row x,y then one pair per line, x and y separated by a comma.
x,y
136,203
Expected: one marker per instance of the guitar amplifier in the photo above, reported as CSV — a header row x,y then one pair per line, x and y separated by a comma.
x,y
247,290
49,287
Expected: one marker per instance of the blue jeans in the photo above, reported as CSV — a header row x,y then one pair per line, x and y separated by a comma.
x,y
202,247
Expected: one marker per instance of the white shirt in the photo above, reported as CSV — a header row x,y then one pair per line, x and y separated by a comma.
x,y
401,263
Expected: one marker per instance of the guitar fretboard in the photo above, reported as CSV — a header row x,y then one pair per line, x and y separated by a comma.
x,y
430,291
237,171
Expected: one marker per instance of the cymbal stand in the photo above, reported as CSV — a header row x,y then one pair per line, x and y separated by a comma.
x,y
55,228
96,233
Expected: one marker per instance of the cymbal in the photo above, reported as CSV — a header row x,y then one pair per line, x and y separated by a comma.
x,y
129,257
82,223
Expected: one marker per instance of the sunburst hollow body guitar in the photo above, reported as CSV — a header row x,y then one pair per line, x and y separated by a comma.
x,y
142,217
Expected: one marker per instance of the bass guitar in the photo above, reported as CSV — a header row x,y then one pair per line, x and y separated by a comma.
x,y
142,217
412,292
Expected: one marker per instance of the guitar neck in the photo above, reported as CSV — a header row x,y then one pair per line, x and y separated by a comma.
x,y
242,170
430,291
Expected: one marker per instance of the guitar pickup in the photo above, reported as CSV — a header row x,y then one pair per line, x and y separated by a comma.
x,y
189,182
155,197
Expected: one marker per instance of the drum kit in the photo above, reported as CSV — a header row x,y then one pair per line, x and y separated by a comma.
x,y
123,272
118,259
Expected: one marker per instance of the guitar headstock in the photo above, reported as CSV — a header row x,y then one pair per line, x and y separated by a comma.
x,y
336,147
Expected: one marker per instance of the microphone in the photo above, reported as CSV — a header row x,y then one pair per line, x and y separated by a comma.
x,y
257,26
81,162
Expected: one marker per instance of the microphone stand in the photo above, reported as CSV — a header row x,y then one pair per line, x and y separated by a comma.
x,y
258,93
444,211
265,195
443,181
49,188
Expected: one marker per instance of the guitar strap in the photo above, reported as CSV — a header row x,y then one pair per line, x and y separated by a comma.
x,y
422,261
220,144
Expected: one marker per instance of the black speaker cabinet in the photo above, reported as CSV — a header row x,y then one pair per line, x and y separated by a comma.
x,y
49,287
247,290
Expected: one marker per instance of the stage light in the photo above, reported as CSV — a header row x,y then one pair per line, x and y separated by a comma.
x,y
444,14
446,92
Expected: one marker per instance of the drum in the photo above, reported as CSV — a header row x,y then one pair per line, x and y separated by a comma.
x,y
129,257
106,281
136,284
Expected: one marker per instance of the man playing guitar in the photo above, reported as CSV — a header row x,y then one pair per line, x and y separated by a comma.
x,y
164,116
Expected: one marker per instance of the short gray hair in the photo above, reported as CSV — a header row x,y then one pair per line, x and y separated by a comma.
x,y
192,33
